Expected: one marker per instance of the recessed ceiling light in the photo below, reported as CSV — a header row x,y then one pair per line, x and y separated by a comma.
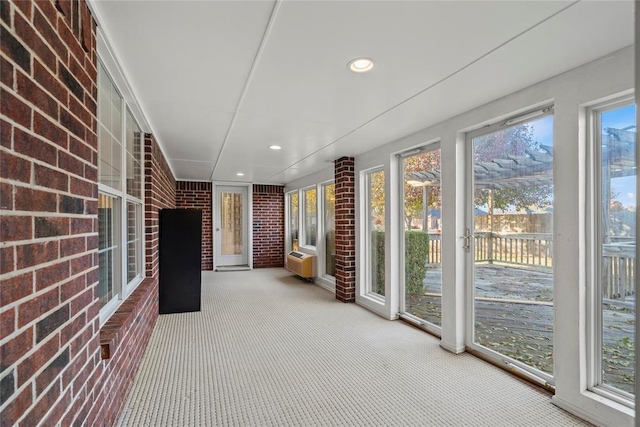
x,y
275,147
360,65
240,174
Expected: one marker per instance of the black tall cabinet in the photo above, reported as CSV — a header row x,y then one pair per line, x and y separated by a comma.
x,y
180,260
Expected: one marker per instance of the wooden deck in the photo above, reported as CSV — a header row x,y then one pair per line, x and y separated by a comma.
x,y
514,316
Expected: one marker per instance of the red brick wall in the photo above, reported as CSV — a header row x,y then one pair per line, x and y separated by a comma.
x,y
51,370
48,228
160,193
268,226
345,229
197,195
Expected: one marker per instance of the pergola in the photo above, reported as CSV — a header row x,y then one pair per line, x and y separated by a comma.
x,y
617,156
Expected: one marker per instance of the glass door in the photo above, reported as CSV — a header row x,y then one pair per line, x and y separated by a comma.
x,y
421,299
510,243
231,242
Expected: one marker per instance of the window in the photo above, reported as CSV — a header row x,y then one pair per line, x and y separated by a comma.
x,y
134,198
421,227
613,243
134,241
120,209
375,236
110,131
329,227
293,221
108,247
309,219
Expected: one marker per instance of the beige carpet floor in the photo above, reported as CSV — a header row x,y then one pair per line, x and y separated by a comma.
x,y
268,349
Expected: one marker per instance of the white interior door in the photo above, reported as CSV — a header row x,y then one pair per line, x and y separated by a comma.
x,y
231,239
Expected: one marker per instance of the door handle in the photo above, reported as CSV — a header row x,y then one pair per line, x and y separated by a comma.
x,y
467,240
217,229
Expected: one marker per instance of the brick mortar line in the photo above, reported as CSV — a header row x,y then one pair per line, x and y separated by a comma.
x,y
17,303
49,165
33,322
7,212
23,242
21,329
38,267
47,189
32,133
33,107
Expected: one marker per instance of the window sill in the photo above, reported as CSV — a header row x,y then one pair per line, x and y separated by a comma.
x,y
117,326
311,250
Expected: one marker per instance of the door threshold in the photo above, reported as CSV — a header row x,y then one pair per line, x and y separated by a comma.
x,y
233,268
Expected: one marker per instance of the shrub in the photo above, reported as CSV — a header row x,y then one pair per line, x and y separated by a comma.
x,y
377,247
416,245
415,261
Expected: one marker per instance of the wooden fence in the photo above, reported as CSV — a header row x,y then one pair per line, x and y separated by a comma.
x,y
535,250
618,270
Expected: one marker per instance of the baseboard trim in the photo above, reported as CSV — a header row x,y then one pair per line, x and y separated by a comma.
x,y
452,349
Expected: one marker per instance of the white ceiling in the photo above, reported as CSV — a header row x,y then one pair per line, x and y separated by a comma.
x,y
219,81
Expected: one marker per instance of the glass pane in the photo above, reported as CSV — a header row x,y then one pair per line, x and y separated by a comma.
x,y
422,228
134,150
375,184
133,240
116,162
116,113
618,136
513,276
110,131
104,97
231,224
105,221
108,248
105,284
330,229
293,221
104,154
310,224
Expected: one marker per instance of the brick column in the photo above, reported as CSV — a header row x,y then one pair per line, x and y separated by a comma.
x,y
197,195
268,226
345,229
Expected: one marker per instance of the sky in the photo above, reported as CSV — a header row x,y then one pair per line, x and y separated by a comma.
x,y
625,187
618,118
543,130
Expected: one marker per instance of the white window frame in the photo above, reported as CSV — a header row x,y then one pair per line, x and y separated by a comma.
x,y
122,287
366,284
428,147
114,302
130,285
594,254
288,244
321,243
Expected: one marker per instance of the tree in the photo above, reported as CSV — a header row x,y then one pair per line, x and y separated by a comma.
x,y
376,195
512,141
414,196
